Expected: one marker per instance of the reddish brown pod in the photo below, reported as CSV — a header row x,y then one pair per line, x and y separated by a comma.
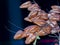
x,y
55,9
45,30
43,15
41,33
18,34
27,31
31,15
27,19
34,7
30,39
38,21
54,17
32,29
26,4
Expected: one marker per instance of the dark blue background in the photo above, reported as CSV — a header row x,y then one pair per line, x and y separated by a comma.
x,y
12,19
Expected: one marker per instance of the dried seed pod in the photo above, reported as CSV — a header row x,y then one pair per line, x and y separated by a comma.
x,y
27,19
32,28
41,33
26,4
47,29
55,17
30,39
43,15
55,7
38,21
54,11
32,14
34,7
25,34
55,30
54,23
18,35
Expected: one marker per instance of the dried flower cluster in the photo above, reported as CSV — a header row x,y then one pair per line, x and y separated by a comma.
x,y
45,23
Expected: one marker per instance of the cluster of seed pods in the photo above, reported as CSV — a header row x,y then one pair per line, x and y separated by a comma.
x,y
45,23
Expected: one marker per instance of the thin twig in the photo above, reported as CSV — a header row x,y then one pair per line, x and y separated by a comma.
x,y
9,29
15,25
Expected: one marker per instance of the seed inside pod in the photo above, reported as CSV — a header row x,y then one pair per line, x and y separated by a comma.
x,y
26,4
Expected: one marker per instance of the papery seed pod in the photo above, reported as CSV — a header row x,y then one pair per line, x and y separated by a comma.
x,y
54,23
26,4
55,11
55,7
34,7
43,15
32,28
18,35
32,14
44,30
50,23
41,33
55,30
54,17
25,34
40,12
27,19
30,39
47,29
38,21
